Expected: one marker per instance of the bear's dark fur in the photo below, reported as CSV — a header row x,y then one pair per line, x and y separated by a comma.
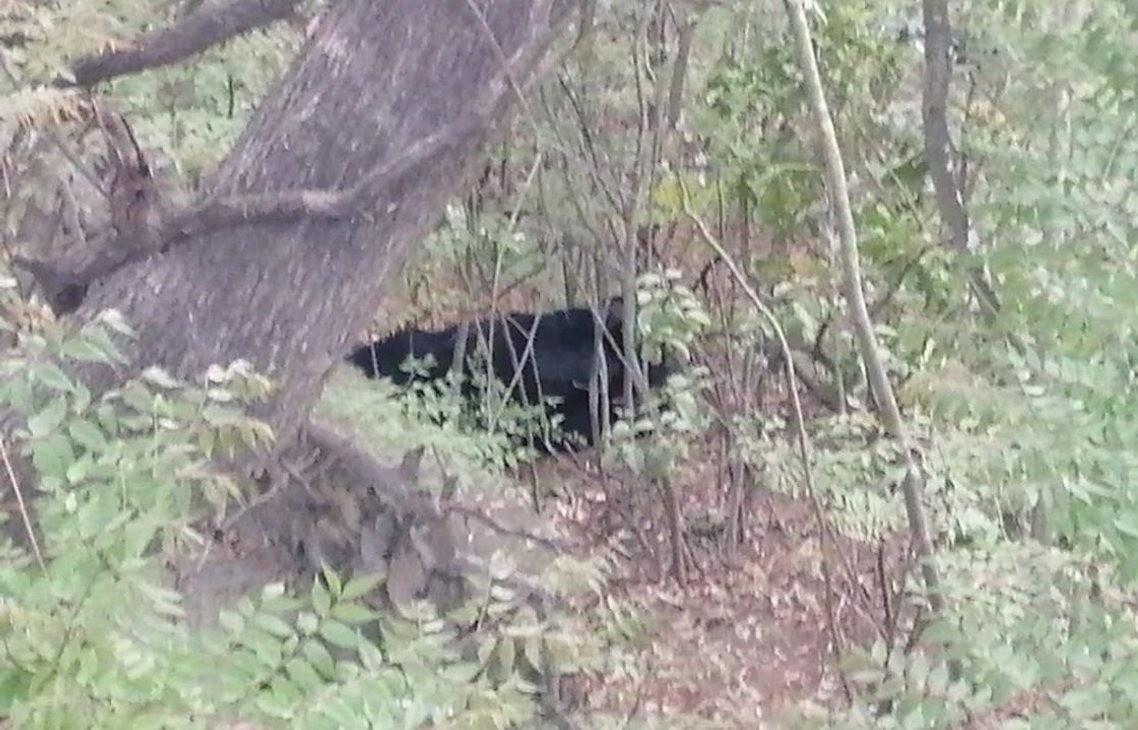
x,y
558,364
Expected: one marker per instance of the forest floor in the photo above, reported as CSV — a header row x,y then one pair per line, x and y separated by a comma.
x,y
748,638
744,643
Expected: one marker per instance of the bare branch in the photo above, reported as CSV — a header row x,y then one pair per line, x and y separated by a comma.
x,y
207,26
685,29
24,515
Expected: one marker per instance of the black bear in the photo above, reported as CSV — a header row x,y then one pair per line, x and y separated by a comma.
x,y
554,351
385,358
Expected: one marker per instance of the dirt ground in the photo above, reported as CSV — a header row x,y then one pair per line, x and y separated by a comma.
x,y
748,638
742,644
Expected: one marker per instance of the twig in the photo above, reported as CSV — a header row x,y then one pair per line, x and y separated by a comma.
x,y
501,529
501,54
23,506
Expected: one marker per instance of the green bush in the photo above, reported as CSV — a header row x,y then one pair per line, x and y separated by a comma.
x,y
91,635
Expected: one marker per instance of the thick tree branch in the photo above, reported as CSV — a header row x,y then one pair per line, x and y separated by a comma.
x,y
207,26
292,205
65,285
685,29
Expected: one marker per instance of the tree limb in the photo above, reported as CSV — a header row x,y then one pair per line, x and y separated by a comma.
x,y
207,26
65,285
685,30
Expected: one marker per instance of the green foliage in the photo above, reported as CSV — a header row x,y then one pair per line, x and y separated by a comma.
x,y
48,35
435,415
669,319
91,634
191,112
1040,433
317,663
491,431
1027,418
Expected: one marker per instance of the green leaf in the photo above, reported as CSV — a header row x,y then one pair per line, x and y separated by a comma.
x,y
83,350
307,623
353,613
114,319
267,647
19,393
49,419
273,624
321,600
53,456
370,656
318,656
159,377
80,469
303,674
51,375
360,586
338,634
279,701
1127,524
88,435
334,585
81,400
231,621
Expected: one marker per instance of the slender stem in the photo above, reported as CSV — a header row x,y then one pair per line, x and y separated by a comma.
x,y
23,506
913,482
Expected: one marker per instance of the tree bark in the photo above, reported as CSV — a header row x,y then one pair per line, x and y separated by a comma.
x,y
934,108
375,78
934,113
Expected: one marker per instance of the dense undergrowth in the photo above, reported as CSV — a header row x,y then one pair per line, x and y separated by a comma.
x,y
1026,418
93,635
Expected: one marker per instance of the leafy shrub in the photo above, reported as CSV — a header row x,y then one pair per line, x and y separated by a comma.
x,y
91,634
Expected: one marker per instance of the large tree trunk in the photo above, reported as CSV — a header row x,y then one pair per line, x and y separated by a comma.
x,y
376,77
